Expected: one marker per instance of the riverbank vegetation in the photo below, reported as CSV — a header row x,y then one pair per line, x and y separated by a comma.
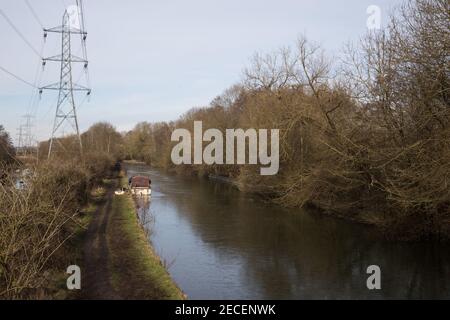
x,y
7,151
37,222
137,272
45,220
42,219
365,137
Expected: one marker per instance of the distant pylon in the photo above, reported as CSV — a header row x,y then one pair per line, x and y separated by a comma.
x,y
27,134
65,108
20,138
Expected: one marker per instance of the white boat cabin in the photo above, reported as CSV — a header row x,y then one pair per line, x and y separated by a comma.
x,y
140,185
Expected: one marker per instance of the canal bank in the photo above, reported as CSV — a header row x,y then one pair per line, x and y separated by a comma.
x,y
119,262
137,271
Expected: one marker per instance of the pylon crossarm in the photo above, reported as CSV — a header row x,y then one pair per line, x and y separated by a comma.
x,y
53,86
77,87
59,58
61,29
57,86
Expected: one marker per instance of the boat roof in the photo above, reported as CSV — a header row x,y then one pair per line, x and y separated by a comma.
x,y
140,182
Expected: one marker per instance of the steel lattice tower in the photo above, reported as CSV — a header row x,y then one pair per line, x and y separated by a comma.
x,y
65,108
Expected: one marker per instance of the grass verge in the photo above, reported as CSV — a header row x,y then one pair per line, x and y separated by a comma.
x,y
136,270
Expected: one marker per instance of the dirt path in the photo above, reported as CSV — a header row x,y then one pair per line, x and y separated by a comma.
x,y
117,249
96,276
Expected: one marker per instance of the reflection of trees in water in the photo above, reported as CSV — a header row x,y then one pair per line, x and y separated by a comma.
x,y
146,218
428,273
294,254
299,255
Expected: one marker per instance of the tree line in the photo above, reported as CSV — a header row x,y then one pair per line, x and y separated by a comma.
x,y
365,137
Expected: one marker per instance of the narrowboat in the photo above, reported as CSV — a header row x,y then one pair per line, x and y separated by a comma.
x,y
140,186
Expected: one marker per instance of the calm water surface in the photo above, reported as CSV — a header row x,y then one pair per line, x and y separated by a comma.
x,y
220,243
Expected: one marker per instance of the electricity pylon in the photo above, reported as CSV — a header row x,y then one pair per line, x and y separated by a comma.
x,y
19,138
65,108
27,134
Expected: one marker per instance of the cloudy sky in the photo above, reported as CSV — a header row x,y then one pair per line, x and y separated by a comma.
x,y
152,60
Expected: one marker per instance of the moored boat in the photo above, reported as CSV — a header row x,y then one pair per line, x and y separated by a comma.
x,y
140,185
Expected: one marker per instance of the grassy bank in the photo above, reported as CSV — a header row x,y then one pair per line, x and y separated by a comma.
x,y
136,270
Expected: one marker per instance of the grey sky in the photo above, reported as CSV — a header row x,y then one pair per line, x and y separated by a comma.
x,y
153,60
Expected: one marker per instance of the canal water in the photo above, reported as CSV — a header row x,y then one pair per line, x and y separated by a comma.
x,y
219,243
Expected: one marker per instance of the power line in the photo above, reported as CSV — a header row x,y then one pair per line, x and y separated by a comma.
x,y
19,33
81,12
34,13
34,99
86,98
17,77
83,37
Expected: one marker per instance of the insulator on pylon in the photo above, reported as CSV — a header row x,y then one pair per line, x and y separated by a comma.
x,y
40,93
45,35
85,65
43,64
